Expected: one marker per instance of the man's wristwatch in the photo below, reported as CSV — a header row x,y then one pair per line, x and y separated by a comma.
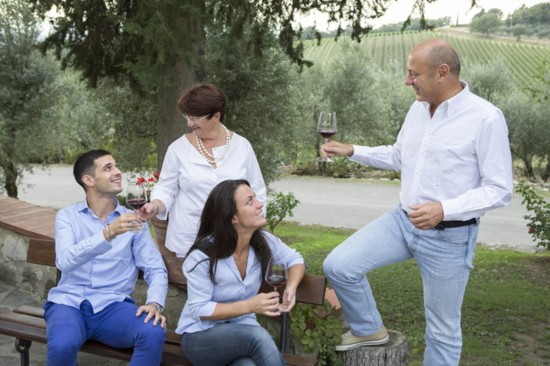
x,y
157,305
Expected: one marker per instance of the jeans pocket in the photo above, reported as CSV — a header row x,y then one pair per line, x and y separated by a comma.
x,y
455,236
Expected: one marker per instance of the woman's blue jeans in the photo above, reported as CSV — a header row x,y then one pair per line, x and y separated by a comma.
x,y
117,325
231,344
445,259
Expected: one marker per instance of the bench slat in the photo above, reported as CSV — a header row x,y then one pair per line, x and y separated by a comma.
x,y
17,330
30,310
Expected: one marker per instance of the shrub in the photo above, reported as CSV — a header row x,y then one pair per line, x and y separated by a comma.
x,y
539,217
279,207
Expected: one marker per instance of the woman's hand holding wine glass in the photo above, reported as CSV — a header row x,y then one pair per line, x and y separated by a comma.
x,y
276,275
135,198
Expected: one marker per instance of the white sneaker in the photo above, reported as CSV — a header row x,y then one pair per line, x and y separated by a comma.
x,y
349,341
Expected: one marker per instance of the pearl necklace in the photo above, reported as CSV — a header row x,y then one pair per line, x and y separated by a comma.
x,y
209,157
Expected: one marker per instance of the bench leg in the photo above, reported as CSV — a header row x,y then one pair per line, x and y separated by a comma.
x,y
22,346
284,330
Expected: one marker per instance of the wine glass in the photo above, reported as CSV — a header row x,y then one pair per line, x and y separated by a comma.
x,y
275,274
326,127
135,195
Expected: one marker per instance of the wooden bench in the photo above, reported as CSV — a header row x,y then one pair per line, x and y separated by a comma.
x,y
27,325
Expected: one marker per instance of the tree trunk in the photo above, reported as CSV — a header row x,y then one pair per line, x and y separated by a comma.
x,y
529,172
393,353
10,179
546,172
170,124
181,74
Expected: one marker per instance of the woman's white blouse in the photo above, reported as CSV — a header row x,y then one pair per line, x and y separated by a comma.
x,y
186,179
203,295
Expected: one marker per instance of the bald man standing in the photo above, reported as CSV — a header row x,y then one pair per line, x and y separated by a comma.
x,y
455,162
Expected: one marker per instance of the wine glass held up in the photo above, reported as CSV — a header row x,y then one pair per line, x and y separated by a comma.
x,y
135,196
276,274
326,127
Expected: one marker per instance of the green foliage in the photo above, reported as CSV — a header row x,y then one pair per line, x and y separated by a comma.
x,y
319,331
528,126
130,123
28,91
486,23
539,217
489,79
279,207
534,20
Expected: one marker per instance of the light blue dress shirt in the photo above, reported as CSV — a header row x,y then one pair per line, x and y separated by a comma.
x,y
203,295
99,271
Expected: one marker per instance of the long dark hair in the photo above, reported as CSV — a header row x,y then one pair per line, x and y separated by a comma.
x,y
217,236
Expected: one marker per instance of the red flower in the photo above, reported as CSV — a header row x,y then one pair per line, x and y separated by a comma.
x,y
156,175
531,229
140,181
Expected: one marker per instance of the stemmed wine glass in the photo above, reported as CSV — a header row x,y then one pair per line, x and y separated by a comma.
x,y
326,127
275,274
135,195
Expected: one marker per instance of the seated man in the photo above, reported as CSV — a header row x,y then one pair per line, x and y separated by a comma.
x,y
100,247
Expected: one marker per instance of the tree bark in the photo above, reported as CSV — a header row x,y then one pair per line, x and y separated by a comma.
x,y
393,353
181,74
529,171
10,179
170,124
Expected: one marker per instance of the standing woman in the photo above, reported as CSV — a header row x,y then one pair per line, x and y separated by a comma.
x,y
224,270
196,162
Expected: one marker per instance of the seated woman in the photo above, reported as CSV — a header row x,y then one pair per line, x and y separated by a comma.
x,y
224,270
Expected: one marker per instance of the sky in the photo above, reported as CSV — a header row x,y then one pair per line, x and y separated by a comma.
x,y
400,9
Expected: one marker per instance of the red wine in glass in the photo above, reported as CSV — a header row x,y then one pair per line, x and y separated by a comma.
x,y
275,274
136,203
326,134
135,195
276,280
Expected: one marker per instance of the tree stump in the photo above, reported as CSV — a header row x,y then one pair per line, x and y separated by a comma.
x,y
393,353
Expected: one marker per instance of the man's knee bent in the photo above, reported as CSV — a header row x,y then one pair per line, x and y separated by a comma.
x,y
152,335
331,268
60,350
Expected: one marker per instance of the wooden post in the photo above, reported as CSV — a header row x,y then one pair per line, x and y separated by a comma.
x,y
393,353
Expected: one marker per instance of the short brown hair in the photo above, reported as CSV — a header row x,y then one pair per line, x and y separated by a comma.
x,y
203,100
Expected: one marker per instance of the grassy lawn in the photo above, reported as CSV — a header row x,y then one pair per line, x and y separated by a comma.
x,y
506,310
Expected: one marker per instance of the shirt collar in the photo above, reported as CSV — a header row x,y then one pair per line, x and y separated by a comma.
x,y
453,103
82,206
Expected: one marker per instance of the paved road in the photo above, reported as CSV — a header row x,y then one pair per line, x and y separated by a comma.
x,y
353,203
324,201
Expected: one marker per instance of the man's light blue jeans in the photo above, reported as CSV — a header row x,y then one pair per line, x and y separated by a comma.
x,y
231,344
445,259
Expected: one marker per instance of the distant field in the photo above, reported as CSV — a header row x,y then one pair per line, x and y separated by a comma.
x,y
384,49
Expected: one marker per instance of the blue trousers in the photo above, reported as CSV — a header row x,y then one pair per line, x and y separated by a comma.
x,y
117,325
231,344
444,258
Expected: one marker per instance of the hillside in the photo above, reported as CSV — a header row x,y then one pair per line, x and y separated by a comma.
x,y
387,48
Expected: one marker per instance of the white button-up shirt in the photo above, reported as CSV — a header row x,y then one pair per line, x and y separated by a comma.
x,y
459,157
203,295
186,180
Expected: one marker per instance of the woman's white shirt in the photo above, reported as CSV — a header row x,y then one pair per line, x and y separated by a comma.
x,y
187,178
